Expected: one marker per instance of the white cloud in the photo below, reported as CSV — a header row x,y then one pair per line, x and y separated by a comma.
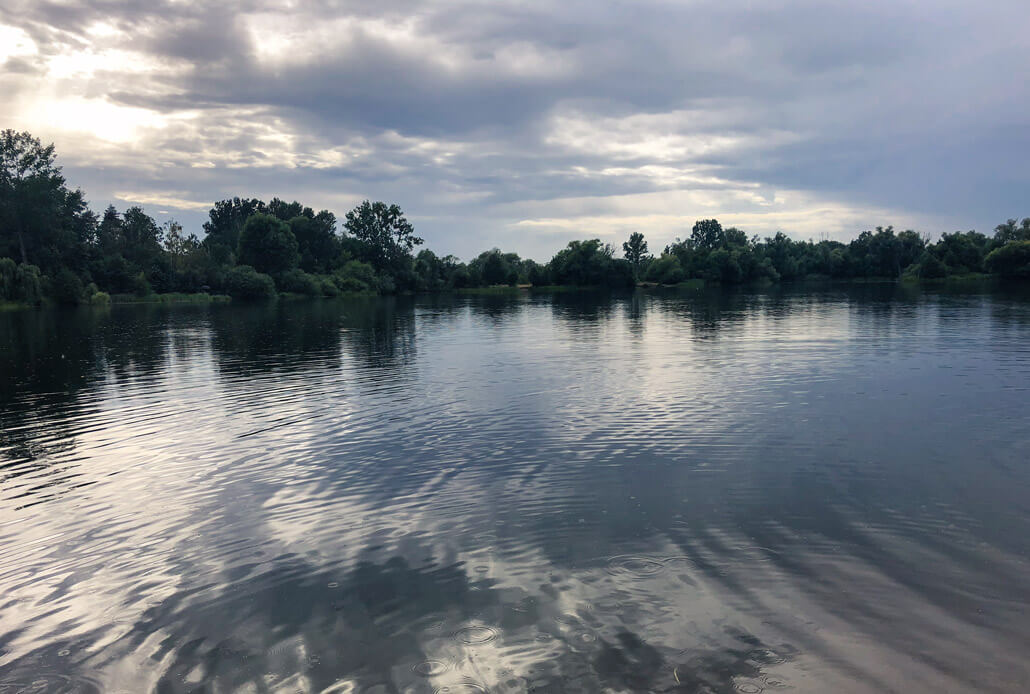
x,y
15,43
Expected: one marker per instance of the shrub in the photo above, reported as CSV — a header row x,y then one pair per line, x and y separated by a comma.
x,y
355,276
66,287
538,276
20,282
8,278
244,282
28,284
140,285
100,299
931,267
665,270
326,286
1011,260
296,280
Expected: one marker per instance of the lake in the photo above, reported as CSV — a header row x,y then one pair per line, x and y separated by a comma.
x,y
820,489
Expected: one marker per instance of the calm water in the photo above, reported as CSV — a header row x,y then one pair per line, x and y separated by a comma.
x,y
818,491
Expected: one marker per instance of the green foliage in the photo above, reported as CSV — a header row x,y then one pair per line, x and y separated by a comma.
x,y
316,240
298,282
28,284
41,221
385,237
355,276
66,287
224,225
635,250
1011,260
495,270
267,245
930,266
244,282
51,243
961,253
1009,231
99,299
326,286
538,275
8,278
590,264
706,234
665,269
140,285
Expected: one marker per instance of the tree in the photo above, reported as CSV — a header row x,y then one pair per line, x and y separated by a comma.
x,y
40,219
1004,233
1011,260
267,244
706,234
110,232
590,264
635,251
495,270
142,236
316,241
225,222
386,236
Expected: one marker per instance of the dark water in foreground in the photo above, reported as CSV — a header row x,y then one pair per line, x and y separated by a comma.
x,y
822,491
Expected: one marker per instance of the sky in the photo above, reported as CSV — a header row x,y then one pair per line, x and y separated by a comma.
x,y
525,124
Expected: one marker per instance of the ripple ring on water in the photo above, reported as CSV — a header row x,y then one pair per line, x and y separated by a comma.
x,y
430,668
776,682
636,567
461,688
766,656
476,635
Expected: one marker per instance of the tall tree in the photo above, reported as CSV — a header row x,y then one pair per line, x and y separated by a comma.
x,y
41,220
387,236
225,222
635,251
267,244
706,234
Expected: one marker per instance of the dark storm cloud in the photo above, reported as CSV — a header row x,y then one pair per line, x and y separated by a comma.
x,y
480,115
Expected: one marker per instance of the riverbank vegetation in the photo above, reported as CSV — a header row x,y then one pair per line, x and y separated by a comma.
x,y
54,247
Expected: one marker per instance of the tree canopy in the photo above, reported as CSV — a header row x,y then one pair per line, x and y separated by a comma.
x,y
52,245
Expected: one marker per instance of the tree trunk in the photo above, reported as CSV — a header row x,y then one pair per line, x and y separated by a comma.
x,y
21,244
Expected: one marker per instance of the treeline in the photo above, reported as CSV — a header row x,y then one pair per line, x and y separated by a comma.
x,y
730,256
53,246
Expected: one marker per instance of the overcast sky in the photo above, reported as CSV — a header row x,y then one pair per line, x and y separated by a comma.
x,y
525,124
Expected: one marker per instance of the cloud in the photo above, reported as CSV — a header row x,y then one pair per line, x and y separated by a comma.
x,y
502,123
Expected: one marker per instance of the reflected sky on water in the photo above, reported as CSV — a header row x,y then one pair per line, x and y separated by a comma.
x,y
819,489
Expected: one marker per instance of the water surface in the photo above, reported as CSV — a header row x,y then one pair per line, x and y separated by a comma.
x,y
811,490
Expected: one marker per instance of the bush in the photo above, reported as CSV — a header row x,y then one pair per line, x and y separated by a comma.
x,y
538,276
931,267
300,282
66,287
28,284
1011,260
100,299
355,276
326,286
20,282
140,285
665,270
8,279
114,273
244,282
